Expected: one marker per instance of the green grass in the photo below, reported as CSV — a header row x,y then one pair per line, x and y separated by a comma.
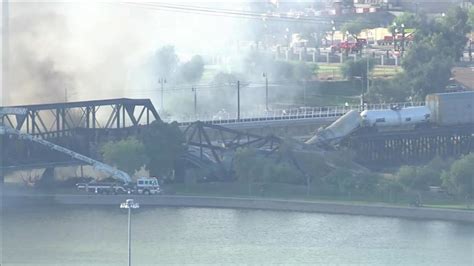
x,y
333,71
298,192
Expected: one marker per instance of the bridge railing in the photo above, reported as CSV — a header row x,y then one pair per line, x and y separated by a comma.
x,y
291,113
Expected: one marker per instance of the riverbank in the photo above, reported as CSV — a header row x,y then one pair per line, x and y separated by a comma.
x,y
273,204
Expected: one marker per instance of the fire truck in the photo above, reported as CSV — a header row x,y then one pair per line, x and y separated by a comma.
x,y
349,47
144,185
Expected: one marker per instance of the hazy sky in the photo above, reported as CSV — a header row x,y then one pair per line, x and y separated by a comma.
x,y
92,49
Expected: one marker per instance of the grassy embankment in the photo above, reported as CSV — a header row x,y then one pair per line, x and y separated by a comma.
x,y
299,192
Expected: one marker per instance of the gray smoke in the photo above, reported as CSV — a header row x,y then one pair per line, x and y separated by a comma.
x,y
103,50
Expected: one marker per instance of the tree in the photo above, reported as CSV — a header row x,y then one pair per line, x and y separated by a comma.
x,y
437,45
282,70
471,17
357,68
355,27
192,71
248,166
304,71
164,143
407,19
460,177
165,62
406,175
127,155
391,90
454,30
389,187
222,79
426,70
422,177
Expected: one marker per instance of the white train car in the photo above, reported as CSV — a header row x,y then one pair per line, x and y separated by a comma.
x,y
396,118
342,127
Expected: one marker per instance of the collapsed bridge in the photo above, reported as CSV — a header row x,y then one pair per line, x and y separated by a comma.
x,y
83,126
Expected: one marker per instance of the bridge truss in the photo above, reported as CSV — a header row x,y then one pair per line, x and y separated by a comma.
x,y
59,119
215,141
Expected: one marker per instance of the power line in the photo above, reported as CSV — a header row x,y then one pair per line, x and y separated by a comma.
x,y
229,13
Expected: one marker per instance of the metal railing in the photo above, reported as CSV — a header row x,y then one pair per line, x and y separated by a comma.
x,y
287,114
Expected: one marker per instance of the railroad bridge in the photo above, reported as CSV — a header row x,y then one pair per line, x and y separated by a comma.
x,y
408,147
81,126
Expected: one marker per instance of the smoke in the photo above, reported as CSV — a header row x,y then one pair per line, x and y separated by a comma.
x,y
86,51
93,50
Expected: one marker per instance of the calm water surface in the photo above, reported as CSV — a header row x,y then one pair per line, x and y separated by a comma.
x,y
98,236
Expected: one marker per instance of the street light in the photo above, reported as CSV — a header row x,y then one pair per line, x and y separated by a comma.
x,y
333,30
394,34
361,90
129,204
403,39
332,35
238,100
266,90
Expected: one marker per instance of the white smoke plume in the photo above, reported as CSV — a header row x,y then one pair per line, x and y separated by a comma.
x,y
96,50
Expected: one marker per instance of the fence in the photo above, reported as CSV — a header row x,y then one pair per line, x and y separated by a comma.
x,y
286,114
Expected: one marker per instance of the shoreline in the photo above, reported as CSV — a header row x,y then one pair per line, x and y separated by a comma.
x,y
375,210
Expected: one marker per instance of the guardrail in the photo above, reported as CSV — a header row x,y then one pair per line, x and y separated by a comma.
x,y
291,113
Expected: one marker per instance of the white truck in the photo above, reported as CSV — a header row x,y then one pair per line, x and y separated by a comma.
x,y
145,186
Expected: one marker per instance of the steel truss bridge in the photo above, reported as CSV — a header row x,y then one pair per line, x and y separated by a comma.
x,y
215,139
60,119
82,125
74,125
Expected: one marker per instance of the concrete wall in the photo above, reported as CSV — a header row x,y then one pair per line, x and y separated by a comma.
x,y
278,205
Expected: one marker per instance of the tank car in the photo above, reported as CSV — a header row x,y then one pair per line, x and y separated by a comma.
x,y
396,118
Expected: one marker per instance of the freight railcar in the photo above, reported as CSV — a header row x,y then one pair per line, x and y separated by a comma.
x,y
456,108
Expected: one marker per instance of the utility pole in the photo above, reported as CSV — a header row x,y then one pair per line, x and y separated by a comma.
x,y
266,90
65,95
403,41
368,83
394,34
162,81
238,100
195,101
304,92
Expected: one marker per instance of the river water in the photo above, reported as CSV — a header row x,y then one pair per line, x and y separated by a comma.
x,y
65,235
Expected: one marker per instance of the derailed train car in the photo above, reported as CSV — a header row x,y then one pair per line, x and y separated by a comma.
x,y
440,110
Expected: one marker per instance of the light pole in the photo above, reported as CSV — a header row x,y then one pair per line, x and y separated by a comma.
x,y
394,34
333,31
361,91
129,204
238,100
304,93
266,90
162,82
403,40
195,101
332,35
